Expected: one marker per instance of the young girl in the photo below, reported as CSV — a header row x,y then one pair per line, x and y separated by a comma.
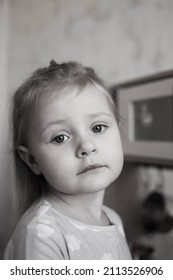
x,y
66,135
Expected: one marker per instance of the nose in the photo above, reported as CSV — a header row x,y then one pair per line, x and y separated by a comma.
x,y
85,149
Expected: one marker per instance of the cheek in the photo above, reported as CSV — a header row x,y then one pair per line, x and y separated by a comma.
x,y
114,152
116,155
55,166
113,141
54,173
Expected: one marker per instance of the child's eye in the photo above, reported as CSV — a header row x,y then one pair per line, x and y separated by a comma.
x,y
60,138
99,128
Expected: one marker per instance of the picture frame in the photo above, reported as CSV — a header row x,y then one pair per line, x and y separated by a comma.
x,y
145,108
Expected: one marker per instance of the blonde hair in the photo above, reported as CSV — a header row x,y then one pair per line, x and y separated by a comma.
x,y
44,84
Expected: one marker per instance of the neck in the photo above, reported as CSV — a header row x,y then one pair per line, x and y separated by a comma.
x,y
86,208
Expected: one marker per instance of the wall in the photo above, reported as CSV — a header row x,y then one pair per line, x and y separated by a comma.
x,y
6,168
120,39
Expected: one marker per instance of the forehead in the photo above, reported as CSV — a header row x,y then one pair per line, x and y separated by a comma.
x,y
90,98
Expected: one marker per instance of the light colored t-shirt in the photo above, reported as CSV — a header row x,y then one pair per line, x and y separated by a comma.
x,y
43,233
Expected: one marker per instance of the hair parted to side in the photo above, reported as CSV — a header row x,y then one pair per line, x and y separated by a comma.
x,y
43,85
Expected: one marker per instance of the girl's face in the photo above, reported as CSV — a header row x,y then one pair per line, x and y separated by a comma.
x,y
76,144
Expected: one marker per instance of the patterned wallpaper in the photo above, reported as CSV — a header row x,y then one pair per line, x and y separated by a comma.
x,y
121,39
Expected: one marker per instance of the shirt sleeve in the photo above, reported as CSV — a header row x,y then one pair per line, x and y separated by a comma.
x,y
38,242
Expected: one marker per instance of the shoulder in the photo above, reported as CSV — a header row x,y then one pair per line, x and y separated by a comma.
x,y
114,218
36,236
112,215
38,212
39,220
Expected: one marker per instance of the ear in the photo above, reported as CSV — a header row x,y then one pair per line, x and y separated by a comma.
x,y
29,159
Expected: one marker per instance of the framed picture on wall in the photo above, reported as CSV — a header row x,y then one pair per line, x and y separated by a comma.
x,y
146,115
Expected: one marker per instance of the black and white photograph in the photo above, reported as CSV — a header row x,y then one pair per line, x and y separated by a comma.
x,y
86,130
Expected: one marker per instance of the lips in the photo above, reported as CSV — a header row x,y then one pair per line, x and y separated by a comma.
x,y
90,167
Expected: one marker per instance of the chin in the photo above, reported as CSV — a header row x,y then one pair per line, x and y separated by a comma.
x,y
96,185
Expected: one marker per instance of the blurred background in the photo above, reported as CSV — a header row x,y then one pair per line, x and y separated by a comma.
x,y
123,41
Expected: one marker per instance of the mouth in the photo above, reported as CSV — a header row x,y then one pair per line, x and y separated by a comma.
x,y
91,168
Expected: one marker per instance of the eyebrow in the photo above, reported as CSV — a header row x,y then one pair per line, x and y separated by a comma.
x,y
54,122
62,121
99,114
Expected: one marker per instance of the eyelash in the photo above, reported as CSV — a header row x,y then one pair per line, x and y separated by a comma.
x,y
102,126
64,136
